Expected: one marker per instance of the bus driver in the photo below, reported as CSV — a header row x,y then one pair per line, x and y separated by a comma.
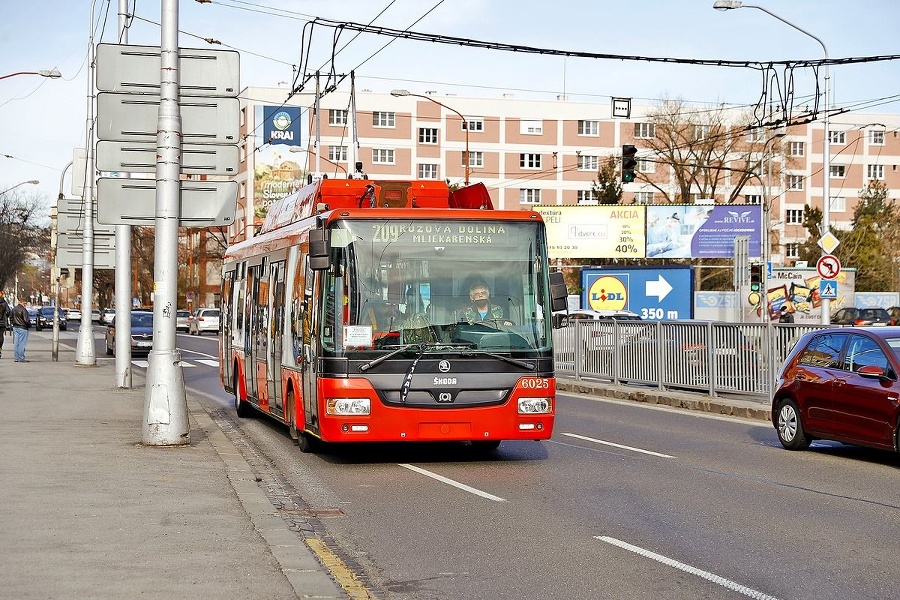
x,y
481,310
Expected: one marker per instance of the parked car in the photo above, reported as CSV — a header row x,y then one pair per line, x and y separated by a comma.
x,y
894,311
860,317
141,333
73,314
205,319
183,320
840,384
107,315
602,315
45,318
95,315
33,317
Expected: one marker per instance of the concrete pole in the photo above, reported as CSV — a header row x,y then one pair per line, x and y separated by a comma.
x,y
84,350
54,245
165,405
123,267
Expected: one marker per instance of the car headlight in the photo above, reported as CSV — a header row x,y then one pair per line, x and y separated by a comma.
x,y
534,406
347,406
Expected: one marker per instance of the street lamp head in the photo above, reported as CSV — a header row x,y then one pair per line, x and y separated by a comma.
x,y
33,181
51,73
399,93
727,4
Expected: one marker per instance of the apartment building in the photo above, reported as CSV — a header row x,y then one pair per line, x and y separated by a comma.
x,y
547,152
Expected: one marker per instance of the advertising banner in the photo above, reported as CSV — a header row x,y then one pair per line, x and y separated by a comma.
x,y
702,231
611,231
277,172
798,291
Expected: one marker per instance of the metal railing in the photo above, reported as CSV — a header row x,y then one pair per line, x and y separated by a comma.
x,y
704,356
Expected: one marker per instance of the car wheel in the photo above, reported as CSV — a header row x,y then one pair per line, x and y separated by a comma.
x,y
790,426
307,443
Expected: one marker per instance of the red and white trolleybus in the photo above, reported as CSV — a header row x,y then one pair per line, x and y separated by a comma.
x,y
349,316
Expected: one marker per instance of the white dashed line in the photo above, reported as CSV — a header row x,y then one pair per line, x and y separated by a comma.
x,y
455,484
614,445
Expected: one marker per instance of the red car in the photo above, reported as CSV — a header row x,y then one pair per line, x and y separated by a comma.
x,y
840,384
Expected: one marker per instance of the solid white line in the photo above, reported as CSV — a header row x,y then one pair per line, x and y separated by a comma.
x,y
209,363
726,583
455,484
140,363
596,441
183,364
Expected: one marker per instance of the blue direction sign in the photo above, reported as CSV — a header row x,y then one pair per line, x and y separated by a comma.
x,y
655,293
828,289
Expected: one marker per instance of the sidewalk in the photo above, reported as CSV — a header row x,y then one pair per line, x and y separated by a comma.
x,y
88,512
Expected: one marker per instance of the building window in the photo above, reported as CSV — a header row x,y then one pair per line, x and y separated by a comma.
x,y
644,130
588,163
382,156
428,171
382,118
337,116
529,196
753,199
876,137
796,148
793,216
792,250
587,197
875,171
476,159
643,197
756,135
838,204
530,161
428,135
838,137
474,124
337,153
838,171
701,132
531,127
646,165
795,182
588,127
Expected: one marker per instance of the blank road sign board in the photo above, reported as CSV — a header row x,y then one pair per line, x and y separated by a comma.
x,y
70,218
196,159
133,202
136,69
135,118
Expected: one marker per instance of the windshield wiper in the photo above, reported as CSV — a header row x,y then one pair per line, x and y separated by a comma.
x,y
381,359
510,360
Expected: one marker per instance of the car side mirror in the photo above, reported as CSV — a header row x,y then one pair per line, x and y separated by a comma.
x,y
874,372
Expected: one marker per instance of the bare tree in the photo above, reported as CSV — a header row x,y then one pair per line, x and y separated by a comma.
x,y
20,234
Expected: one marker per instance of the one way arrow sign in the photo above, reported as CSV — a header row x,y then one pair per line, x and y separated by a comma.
x,y
659,288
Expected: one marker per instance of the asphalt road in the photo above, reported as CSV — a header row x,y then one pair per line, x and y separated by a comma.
x,y
626,501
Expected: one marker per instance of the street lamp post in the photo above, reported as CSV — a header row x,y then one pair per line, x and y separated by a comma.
x,y
826,150
465,123
51,73
30,181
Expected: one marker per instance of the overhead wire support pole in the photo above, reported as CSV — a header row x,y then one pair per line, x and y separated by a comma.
x,y
165,404
85,354
123,266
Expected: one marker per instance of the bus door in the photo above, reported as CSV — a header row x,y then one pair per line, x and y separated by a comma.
x,y
276,333
227,313
259,347
310,316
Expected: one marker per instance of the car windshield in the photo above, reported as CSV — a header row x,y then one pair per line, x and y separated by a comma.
x,y
141,320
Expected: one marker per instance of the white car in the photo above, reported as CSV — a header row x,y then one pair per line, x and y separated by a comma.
x,y
205,319
602,315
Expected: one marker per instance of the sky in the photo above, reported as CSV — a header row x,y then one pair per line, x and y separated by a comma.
x,y
43,120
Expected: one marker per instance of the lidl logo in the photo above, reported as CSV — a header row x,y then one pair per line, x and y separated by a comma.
x,y
608,293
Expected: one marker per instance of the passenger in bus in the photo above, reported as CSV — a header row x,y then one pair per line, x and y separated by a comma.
x,y
480,309
382,316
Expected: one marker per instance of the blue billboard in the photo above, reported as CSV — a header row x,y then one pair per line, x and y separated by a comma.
x,y
655,293
282,125
702,231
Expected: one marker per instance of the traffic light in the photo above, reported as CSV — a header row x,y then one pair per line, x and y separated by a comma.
x,y
755,277
629,162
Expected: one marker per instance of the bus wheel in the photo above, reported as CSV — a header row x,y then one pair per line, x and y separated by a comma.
x,y
485,446
307,442
241,407
291,415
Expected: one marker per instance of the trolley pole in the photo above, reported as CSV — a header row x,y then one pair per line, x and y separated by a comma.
x,y
165,405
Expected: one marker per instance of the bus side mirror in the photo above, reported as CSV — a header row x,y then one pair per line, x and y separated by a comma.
x,y
319,249
558,292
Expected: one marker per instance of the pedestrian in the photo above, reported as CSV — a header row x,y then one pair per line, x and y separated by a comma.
x,y
20,325
786,315
4,318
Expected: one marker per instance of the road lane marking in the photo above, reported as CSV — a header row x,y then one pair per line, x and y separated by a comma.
x,y
455,484
718,580
209,363
614,445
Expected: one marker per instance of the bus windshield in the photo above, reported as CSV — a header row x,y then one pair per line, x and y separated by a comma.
x,y
473,285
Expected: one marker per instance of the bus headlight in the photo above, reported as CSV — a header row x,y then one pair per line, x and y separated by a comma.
x,y
534,406
347,406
